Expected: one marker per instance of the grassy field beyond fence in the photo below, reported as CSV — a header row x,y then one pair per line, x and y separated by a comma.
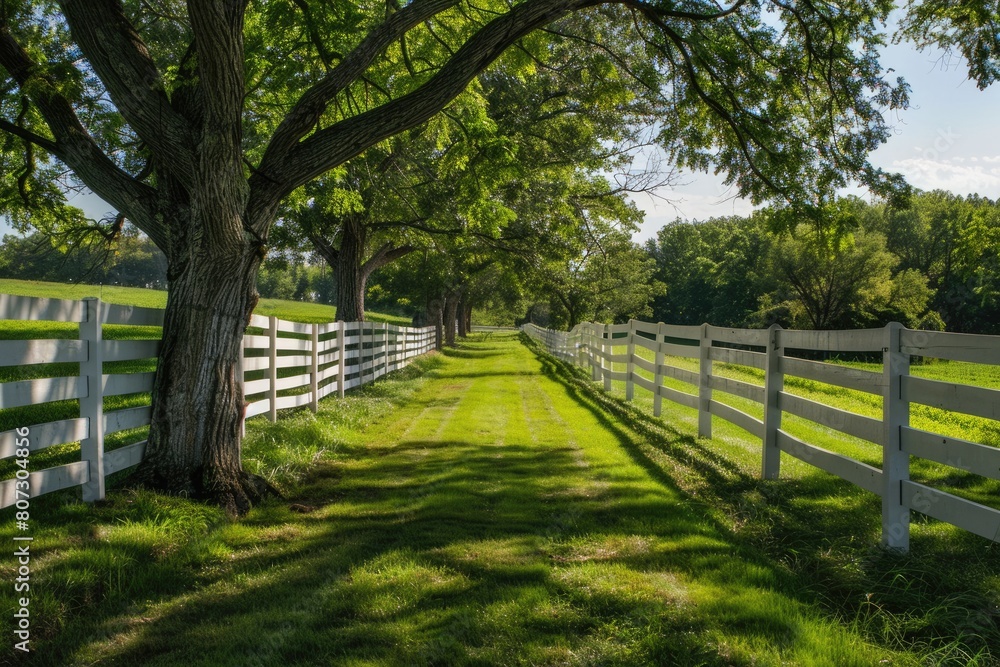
x,y
965,484
296,311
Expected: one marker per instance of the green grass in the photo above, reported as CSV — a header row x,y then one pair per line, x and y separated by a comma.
x,y
489,506
952,479
295,311
943,600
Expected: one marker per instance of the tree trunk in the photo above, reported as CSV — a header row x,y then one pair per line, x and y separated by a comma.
x,y
463,323
195,434
450,310
350,273
437,314
467,317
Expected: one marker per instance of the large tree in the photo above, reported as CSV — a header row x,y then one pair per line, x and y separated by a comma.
x,y
196,119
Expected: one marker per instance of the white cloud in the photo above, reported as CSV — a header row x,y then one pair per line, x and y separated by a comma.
x,y
934,174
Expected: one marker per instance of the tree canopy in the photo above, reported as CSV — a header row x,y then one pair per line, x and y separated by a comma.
x,y
970,27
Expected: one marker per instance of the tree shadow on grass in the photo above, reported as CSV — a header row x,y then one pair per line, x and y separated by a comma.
x,y
445,562
486,374
479,352
729,483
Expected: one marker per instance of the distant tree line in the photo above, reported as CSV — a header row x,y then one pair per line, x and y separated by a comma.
x,y
128,258
933,264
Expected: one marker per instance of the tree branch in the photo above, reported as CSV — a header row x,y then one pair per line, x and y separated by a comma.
x,y
28,135
77,149
307,111
324,247
120,58
334,145
385,255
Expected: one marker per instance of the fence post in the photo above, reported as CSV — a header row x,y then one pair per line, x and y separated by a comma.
x,y
371,352
92,405
342,353
384,347
390,350
658,380
314,381
629,364
774,382
240,374
704,386
272,362
895,462
402,351
592,351
606,350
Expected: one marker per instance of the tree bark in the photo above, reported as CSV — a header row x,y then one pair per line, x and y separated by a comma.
x,y
349,270
193,448
467,317
450,315
463,323
436,312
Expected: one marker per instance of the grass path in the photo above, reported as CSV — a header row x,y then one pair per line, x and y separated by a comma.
x,y
497,516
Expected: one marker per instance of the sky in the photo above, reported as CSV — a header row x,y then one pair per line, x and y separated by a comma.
x,y
948,139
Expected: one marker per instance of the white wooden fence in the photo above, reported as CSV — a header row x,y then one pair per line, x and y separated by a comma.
x,y
328,358
594,345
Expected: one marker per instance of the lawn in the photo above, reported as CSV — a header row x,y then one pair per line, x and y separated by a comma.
x,y
489,506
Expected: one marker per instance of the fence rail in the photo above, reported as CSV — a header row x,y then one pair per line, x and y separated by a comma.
x,y
284,365
779,354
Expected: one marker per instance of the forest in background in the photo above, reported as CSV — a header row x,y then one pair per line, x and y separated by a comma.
x,y
933,264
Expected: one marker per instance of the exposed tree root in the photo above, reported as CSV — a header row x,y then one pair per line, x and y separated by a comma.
x,y
235,493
